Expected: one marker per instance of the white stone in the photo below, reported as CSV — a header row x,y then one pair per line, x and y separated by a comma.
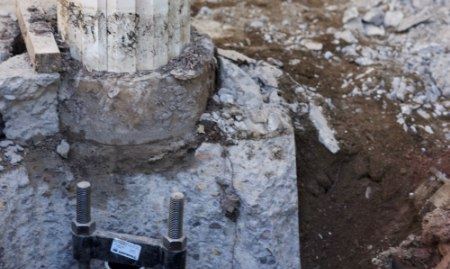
x,y
350,14
328,55
372,30
12,155
400,89
347,36
374,16
311,45
364,61
326,134
413,20
63,149
6,143
393,18
439,70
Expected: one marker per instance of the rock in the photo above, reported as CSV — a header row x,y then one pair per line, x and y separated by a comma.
x,y
326,134
275,62
444,249
411,21
372,30
6,143
436,226
444,263
393,18
213,28
350,14
294,62
246,91
260,116
225,96
400,89
441,198
32,112
440,74
235,56
364,61
374,16
63,149
311,45
267,74
368,193
328,55
347,36
12,155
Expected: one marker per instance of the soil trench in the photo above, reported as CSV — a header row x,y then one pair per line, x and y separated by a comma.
x,y
356,203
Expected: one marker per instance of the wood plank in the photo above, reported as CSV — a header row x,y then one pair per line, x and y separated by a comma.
x,y
38,36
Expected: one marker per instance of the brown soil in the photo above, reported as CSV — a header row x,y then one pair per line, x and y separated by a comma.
x,y
340,227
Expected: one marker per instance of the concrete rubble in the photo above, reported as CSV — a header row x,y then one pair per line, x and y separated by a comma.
x,y
349,60
375,35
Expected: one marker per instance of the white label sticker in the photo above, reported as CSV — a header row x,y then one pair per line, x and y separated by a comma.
x,y
126,249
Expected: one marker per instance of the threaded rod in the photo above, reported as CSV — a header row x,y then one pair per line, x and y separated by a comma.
x,y
176,209
83,202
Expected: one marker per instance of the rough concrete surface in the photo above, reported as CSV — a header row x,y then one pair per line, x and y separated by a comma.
x,y
241,210
142,108
28,100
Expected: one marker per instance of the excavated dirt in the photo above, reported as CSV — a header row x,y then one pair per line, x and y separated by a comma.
x,y
356,203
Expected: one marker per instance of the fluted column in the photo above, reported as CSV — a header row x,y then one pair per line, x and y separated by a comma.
x,y
124,35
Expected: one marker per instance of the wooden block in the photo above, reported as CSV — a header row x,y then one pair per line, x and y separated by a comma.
x,y
38,36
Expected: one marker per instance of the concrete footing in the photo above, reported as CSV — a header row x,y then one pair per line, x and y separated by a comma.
x,y
114,109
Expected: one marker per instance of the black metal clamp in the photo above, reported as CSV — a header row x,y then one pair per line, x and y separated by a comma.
x,y
124,250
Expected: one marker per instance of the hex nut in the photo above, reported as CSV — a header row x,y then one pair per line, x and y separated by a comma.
x,y
83,228
174,244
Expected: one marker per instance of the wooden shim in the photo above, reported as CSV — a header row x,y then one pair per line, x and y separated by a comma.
x,y
38,36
